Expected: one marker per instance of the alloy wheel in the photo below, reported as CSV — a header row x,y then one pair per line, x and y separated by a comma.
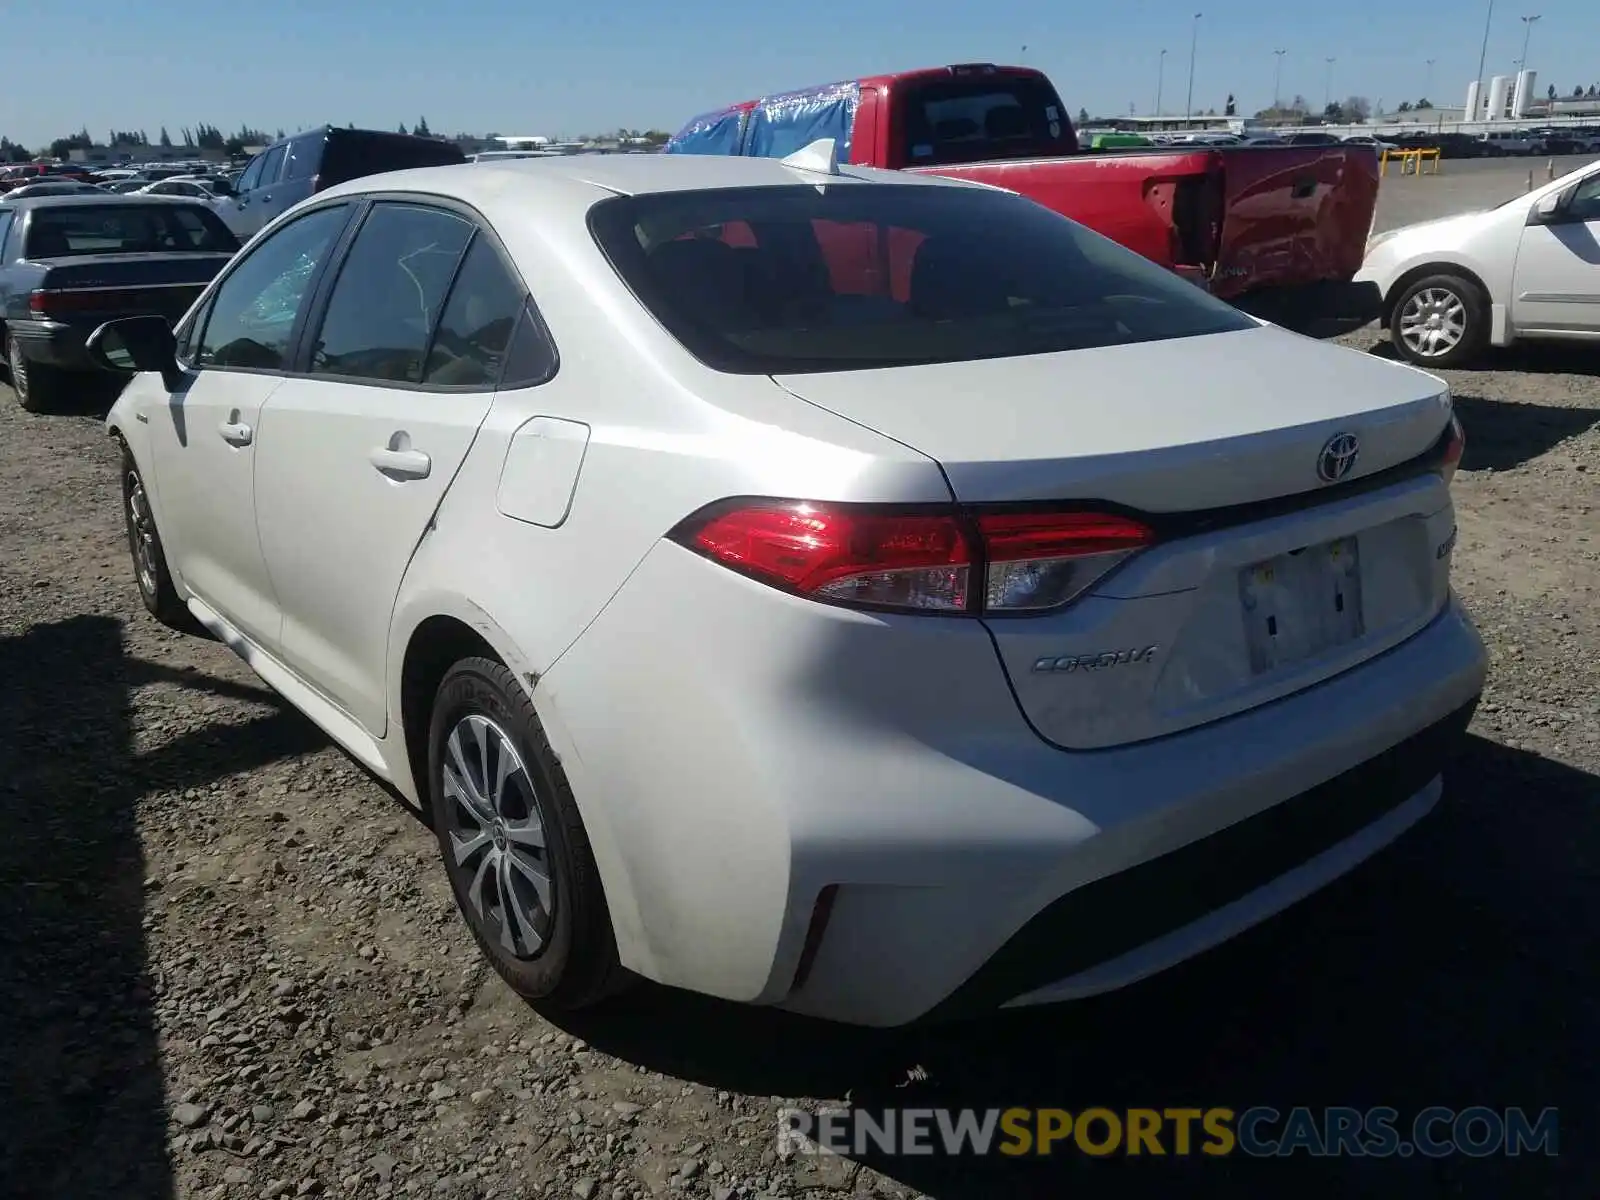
x,y
141,534
496,841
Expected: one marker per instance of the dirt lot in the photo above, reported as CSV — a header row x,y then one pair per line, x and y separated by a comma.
x,y
229,965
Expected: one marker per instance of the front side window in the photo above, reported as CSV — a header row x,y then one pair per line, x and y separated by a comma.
x,y
269,168
252,173
1586,200
389,294
127,229
254,309
786,279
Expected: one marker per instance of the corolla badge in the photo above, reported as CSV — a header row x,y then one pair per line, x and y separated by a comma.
x,y
1338,457
1065,663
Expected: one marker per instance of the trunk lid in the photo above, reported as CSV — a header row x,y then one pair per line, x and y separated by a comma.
x,y
1169,426
107,286
1293,215
1245,597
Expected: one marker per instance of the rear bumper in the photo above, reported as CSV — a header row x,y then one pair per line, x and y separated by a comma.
x,y
757,752
57,344
1326,308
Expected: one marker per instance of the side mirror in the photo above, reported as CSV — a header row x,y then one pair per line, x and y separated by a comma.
x,y
222,187
137,344
1548,206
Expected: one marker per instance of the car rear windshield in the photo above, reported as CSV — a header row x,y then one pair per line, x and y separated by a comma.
x,y
127,229
786,279
981,118
357,154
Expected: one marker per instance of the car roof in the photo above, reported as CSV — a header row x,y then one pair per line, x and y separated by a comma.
x,y
85,199
487,184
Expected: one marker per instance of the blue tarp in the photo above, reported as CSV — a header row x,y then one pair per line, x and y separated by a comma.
x,y
782,124
709,133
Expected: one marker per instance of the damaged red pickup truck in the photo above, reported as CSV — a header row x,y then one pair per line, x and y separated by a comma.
x,y
1279,231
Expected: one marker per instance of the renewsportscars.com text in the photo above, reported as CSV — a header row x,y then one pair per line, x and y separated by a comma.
x,y
1261,1132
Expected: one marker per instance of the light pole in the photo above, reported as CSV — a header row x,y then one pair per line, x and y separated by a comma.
x,y
1327,95
1483,56
1194,41
1277,78
1161,75
1527,33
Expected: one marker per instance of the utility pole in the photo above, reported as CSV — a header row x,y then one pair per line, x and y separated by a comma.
x,y
1194,41
1483,57
1527,34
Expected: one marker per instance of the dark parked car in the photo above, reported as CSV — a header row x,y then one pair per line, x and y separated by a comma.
x,y
286,172
70,263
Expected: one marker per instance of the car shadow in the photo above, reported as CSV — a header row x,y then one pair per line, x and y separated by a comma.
x,y
1457,968
1504,434
82,1105
1531,358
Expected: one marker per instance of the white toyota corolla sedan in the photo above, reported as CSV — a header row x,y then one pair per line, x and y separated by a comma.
x,y
865,594
1527,269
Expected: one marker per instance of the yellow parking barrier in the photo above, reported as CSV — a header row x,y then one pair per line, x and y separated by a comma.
x,y
1410,158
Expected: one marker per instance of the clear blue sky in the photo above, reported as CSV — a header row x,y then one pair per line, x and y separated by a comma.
x,y
521,67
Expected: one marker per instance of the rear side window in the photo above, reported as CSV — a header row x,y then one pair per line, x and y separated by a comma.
x,y
355,154
980,118
303,155
127,229
788,279
469,346
389,294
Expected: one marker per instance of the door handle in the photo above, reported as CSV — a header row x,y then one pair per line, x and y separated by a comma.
x,y
401,464
236,433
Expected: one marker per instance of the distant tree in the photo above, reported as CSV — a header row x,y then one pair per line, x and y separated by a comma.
x,y
1230,109
403,128
1357,109
279,138
1424,103
1552,92
422,129
1590,92
188,138
1299,105
1577,92
1405,107
1333,114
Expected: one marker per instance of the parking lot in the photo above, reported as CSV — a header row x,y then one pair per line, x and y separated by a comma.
x,y
230,965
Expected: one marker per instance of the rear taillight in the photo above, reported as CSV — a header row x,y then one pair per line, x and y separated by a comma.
x,y
946,562
1455,446
48,302
1044,560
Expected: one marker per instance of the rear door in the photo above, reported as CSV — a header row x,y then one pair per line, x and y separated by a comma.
x,y
359,447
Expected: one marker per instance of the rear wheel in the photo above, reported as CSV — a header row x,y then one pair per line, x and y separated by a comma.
x,y
38,387
1440,321
513,843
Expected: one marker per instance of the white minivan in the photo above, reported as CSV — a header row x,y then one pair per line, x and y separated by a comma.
x,y
1511,141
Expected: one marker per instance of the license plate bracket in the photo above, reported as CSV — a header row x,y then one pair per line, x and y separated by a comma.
x,y
1303,604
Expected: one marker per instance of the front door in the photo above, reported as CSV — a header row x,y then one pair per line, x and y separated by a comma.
x,y
359,451
204,444
1557,282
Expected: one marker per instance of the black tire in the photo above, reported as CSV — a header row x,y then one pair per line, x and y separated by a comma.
x,y
1450,290
574,964
149,557
38,387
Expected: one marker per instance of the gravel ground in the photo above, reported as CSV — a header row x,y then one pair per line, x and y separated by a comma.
x,y
1463,184
229,964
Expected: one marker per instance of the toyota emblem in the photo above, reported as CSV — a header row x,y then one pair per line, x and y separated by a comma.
x,y
1338,457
